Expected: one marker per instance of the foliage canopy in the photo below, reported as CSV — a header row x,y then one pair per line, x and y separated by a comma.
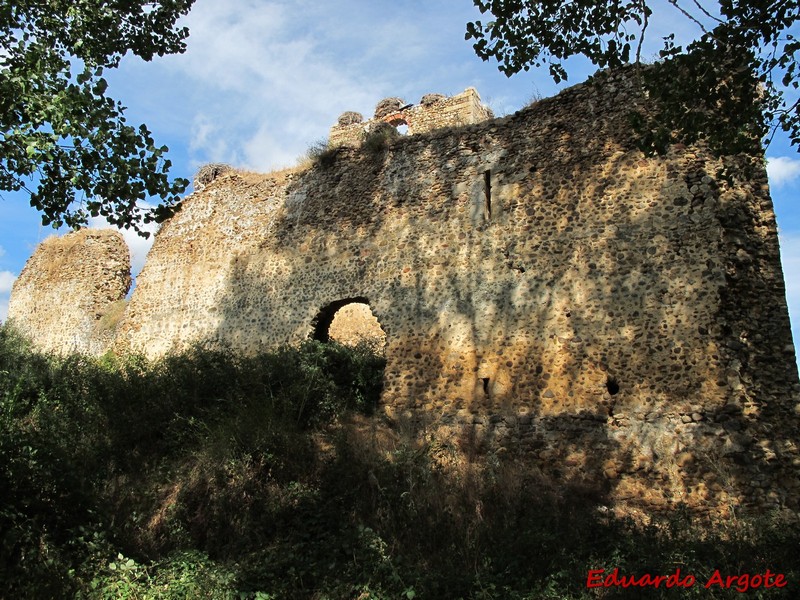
x,y
743,65
62,139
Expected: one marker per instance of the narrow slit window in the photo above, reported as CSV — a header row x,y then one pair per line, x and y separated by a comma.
x,y
487,190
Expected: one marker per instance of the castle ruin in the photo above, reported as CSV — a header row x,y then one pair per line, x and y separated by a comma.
x,y
619,318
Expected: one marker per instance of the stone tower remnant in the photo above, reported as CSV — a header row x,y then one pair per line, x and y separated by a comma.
x,y
63,296
435,111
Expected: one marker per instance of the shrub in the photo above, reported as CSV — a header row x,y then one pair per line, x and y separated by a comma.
x,y
85,443
378,139
209,475
320,153
182,575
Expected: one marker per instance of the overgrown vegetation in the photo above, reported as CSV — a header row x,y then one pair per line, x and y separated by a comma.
x,y
204,475
113,315
378,139
321,153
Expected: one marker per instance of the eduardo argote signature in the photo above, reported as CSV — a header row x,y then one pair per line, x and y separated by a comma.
x,y
741,583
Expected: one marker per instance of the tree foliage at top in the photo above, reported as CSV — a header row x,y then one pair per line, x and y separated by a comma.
x,y
734,86
62,139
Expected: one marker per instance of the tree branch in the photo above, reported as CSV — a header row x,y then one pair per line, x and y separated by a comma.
x,y
644,28
688,15
706,13
779,124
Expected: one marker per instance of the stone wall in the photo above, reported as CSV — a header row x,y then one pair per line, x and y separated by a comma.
x,y
67,294
619,319
433,112
355,324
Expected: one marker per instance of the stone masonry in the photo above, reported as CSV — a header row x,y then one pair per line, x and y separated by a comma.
x,y
434,111
67,288
543,285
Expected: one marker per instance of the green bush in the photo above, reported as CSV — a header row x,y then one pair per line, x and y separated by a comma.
x,y
378,139
210,475
181,576
79,435
322,154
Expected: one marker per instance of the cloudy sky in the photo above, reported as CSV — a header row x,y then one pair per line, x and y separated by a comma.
x,y
262,80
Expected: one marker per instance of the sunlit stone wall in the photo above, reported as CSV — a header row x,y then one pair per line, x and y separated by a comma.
x,y
66,295
619,319
434,111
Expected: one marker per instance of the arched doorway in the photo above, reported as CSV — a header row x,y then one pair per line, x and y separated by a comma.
x,y
349,321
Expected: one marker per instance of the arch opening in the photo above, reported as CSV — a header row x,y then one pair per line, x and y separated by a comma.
x,y
400,124
350,322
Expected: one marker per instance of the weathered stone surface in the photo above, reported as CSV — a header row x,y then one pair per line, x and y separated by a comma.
x,y
434,112
67,288
543,285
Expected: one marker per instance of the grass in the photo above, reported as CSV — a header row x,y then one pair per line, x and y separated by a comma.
x,y
206,475
320,153
112,316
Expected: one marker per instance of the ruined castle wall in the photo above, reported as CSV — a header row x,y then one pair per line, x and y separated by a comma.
x,y
66,294
542,284
618,318
465,108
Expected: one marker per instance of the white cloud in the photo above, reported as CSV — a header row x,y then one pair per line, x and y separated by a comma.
x,y
2,252
274,76
790,259
208,140
6,281
261,80
782,170
139,248
264,150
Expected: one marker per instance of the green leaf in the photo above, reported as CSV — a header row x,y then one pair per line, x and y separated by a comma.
x,y
100,87
59,123
747,41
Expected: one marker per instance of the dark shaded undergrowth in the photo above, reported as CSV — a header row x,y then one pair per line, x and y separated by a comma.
x,y
208,476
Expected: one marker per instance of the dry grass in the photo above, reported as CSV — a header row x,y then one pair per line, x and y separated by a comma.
x,y
55,253
112,316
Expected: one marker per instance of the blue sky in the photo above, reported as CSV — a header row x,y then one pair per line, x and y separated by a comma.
x,y
262,80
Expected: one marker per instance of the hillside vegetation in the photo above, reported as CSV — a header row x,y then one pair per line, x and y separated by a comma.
x,y
206,475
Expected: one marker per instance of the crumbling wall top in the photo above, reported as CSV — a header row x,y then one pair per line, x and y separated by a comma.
x,y
434,111
209,173
66,294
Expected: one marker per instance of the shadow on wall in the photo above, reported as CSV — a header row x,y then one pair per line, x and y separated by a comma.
x,y
541,283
